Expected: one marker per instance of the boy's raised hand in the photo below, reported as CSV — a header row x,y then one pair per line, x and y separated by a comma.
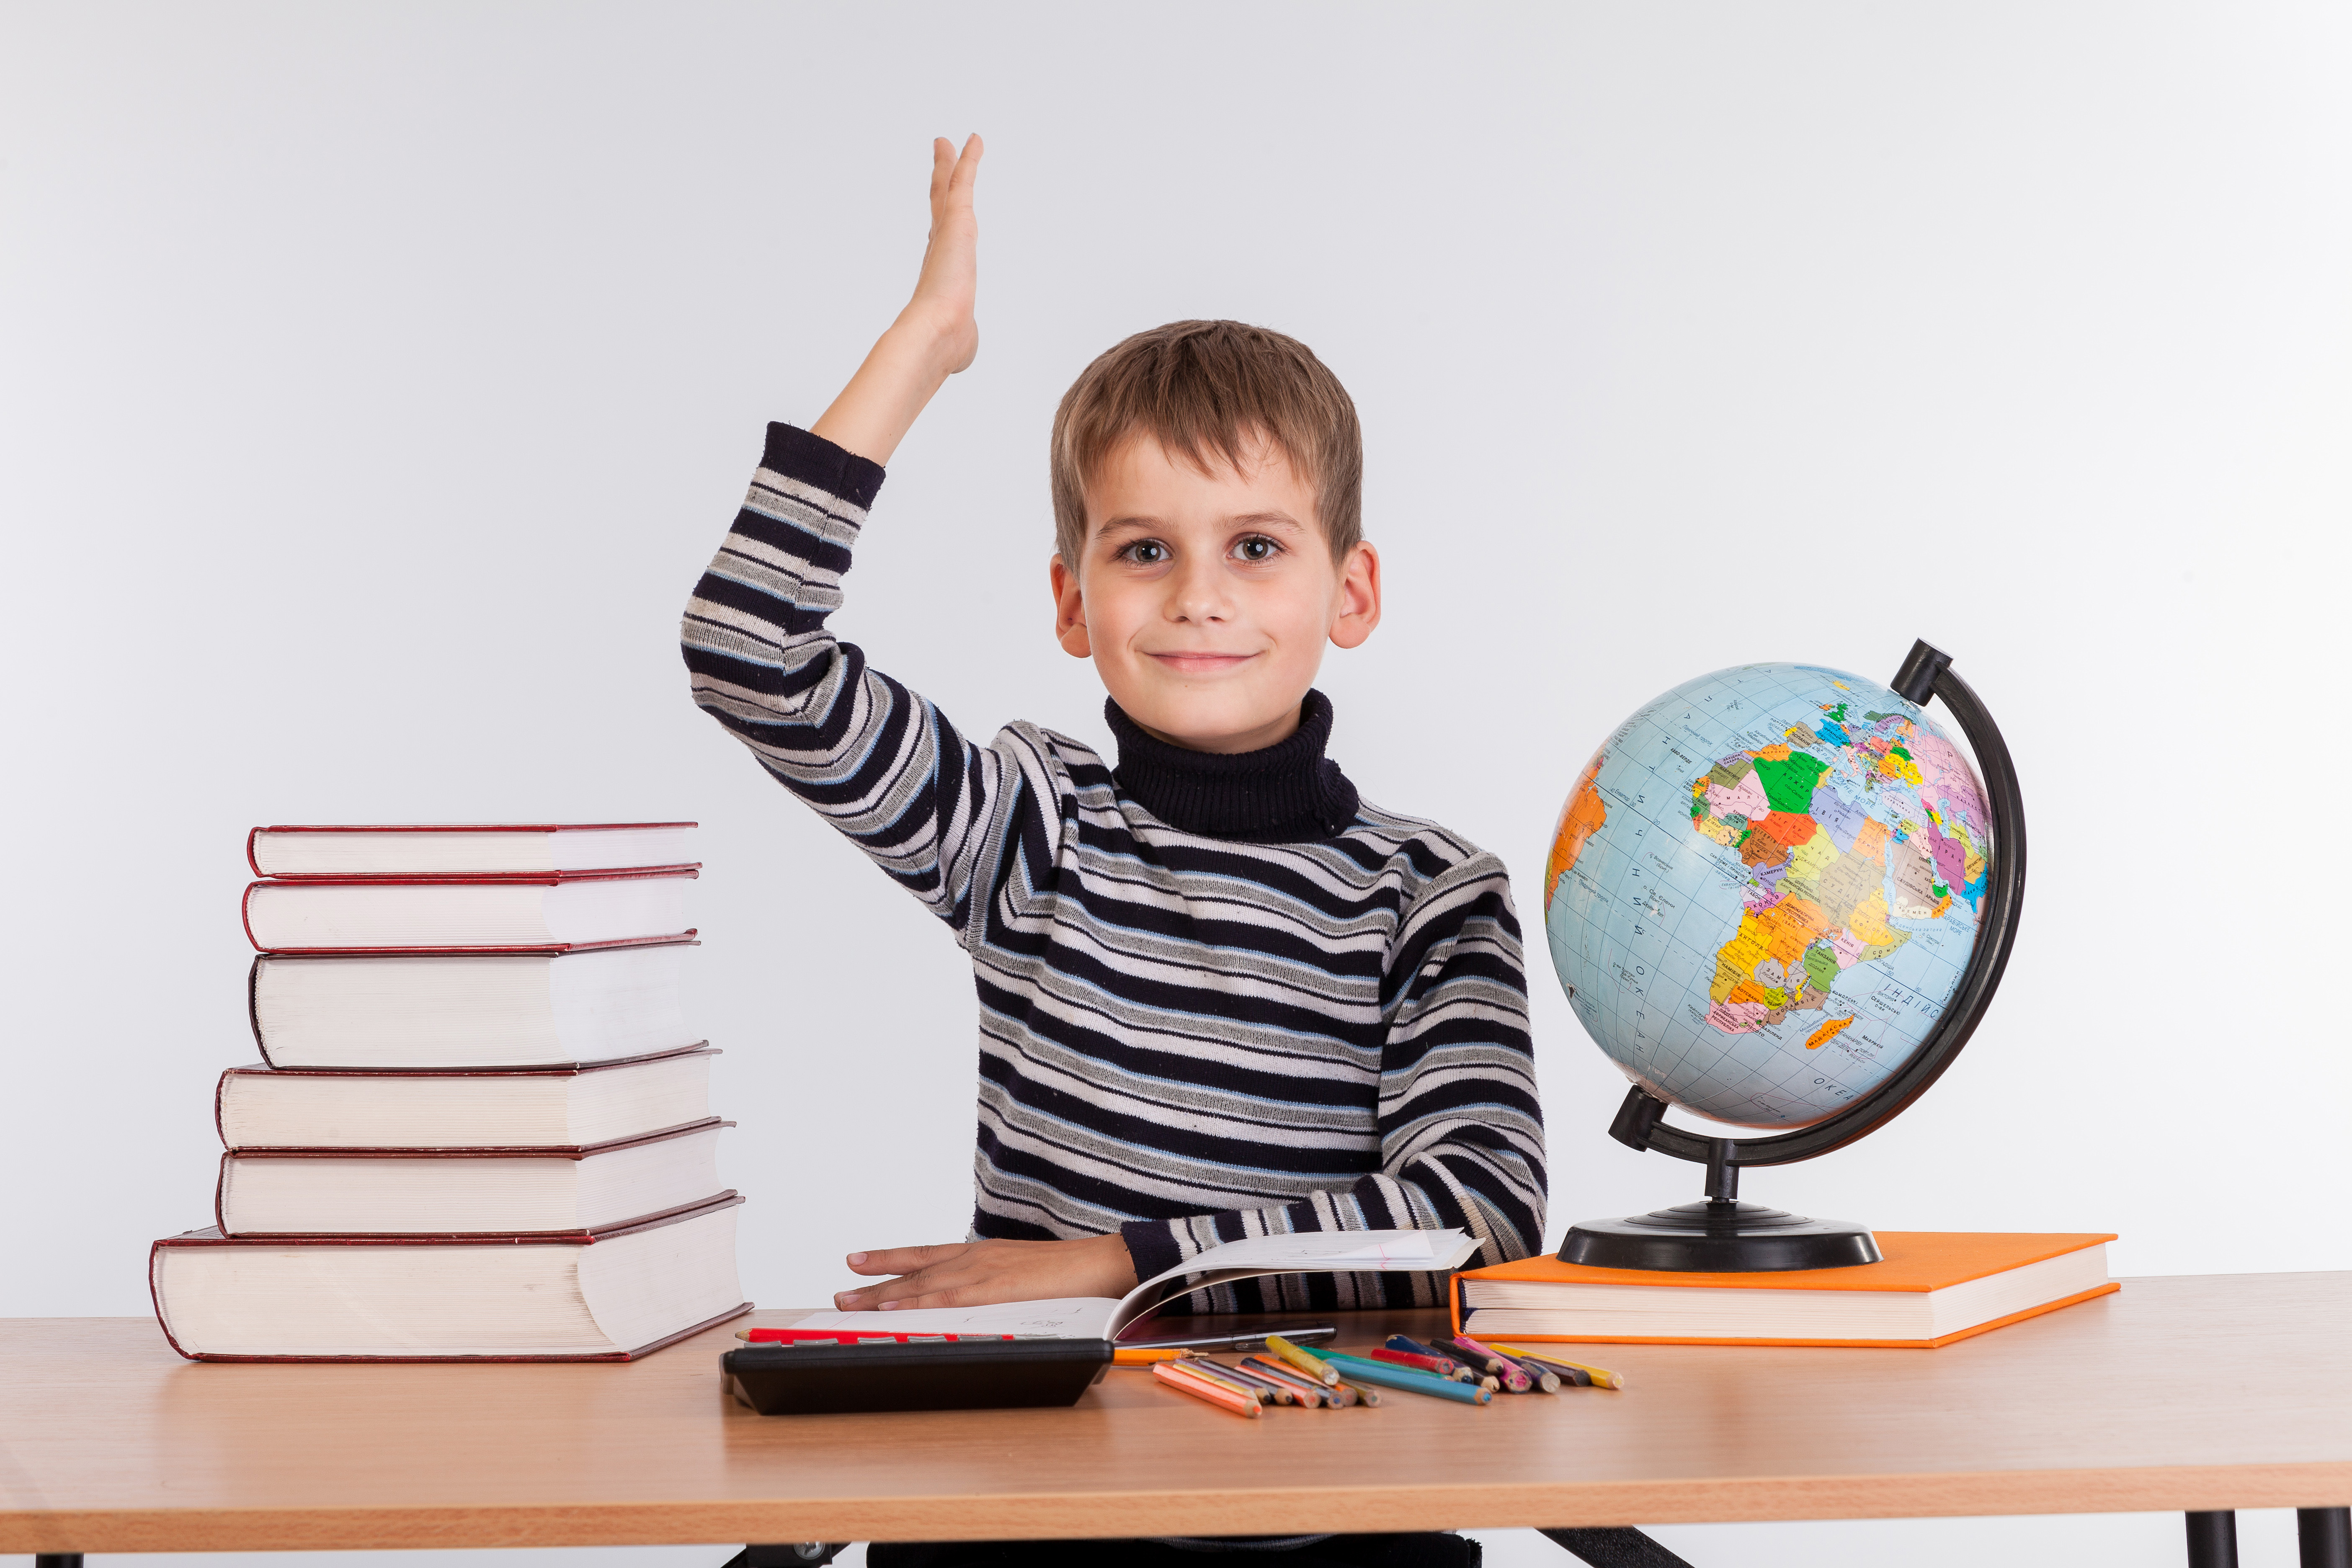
x,y
979,1273
949,280
934,337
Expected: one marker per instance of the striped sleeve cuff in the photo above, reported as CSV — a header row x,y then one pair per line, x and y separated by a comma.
x,y
818,463
1153,1244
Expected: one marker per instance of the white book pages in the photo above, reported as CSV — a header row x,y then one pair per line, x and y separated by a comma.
x,y
1099,1317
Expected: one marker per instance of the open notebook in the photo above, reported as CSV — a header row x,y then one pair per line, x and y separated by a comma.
x,y
1100,1318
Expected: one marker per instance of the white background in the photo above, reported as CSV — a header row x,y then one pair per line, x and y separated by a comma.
x,y
375,380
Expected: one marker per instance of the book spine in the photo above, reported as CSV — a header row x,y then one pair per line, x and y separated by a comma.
x,y
252,843
252,1007
155,1299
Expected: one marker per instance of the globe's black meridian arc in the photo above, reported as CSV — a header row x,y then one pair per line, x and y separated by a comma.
x,y
1927,672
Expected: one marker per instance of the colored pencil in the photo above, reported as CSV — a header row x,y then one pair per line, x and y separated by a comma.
x,y
1513,1375
1545,1378
1344,1393
1350,1365
1408,1379
1129,1355
1313,1395
1307,1362
1602,1376
1411,1346
1441,1367
1173,1375
1275,1392
1217,1372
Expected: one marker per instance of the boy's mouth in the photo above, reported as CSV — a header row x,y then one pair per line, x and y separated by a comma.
x,y
1203,663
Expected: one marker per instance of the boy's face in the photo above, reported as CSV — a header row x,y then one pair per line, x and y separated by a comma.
x,y
1205,599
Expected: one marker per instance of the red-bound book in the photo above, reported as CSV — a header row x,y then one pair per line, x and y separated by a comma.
x,y
609,1294
569,1108
539,911
465,849
449,1012
571,1192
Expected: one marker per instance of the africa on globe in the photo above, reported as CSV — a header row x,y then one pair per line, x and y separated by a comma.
x,y
1765,889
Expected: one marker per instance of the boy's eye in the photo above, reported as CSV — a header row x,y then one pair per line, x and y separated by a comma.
x,y
1257,548
1146,552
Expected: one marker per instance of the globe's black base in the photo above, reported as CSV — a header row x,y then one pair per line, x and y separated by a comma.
x,y
1719,1237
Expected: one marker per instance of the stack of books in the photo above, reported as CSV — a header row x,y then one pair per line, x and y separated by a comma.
x,y
480,1129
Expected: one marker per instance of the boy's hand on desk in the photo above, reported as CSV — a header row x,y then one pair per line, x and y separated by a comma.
x,y
978,1273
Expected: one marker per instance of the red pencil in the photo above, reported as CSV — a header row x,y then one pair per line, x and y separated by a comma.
x,y
1444,1366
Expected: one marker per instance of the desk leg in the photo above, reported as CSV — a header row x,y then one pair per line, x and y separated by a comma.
x,y
56,1560
2213,1540
1621,1548
2324,1534
801,1554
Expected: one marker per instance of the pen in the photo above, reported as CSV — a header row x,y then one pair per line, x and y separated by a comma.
x,y
1235,1341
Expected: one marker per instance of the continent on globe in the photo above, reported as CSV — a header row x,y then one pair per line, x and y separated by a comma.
x,y
1822,865
1808,906
1585,814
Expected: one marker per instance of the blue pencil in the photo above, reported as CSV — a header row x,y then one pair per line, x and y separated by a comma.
x,y
1388,1374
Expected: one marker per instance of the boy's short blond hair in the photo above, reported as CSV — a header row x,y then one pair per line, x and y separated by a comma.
x,y
1204,391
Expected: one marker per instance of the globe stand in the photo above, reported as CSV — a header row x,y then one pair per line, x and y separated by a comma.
x,y
1721,1235
1726,1235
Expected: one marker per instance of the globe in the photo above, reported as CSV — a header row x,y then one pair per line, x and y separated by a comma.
x,y
1765,889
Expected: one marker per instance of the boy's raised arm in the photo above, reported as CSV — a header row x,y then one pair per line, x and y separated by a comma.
x,y
875,759
934,337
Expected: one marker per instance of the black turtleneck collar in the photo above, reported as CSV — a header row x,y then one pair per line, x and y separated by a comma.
x,y
1288,791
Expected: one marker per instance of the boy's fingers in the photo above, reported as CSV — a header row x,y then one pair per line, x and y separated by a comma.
x,y
961,1296
903,1259
943,163
967,164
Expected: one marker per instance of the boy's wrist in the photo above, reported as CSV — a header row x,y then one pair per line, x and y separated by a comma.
x,y
928,341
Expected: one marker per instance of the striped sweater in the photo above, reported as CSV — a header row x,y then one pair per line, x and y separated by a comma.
x,y
1219,996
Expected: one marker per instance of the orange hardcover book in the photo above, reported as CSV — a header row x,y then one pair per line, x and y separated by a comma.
x,y
1932,1288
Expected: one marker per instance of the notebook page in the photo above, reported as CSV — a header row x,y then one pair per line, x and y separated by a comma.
x,y
1329,1252
1065,1317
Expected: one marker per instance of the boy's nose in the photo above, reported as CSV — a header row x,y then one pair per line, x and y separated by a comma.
x,y
1197,595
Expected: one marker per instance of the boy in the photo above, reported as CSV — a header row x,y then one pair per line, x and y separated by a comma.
x,y
1220,994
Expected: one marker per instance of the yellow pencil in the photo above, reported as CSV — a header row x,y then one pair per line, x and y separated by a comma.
x,y
1601,1377
1314,1366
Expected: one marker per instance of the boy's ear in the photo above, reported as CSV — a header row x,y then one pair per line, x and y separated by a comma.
x,y
1360,598
1069,611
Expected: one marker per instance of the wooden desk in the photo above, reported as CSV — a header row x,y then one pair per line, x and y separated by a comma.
x,y
2189,1394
